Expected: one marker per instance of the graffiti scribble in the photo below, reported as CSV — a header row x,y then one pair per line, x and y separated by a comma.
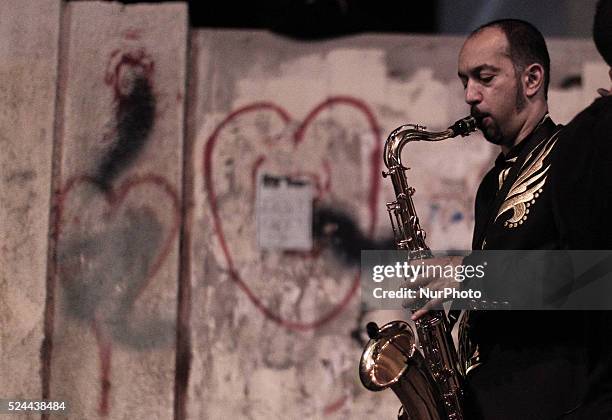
x,y
134,114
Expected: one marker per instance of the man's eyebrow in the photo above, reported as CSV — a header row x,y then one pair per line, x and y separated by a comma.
x,y
478,69
482,67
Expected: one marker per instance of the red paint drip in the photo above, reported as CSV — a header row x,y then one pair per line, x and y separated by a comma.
x,y
335,406
255,169
104,355
298,137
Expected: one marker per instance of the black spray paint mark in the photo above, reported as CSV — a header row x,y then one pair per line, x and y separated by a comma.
x,y
336,229
135,116
358,334
103,272
571,81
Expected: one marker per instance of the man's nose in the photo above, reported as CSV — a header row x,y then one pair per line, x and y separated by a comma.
x,y
473,95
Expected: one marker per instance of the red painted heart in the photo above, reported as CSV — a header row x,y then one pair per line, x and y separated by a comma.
x,y
115,199
297,137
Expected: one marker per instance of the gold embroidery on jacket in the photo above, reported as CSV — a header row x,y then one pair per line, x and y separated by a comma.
x,y
527,187
503,174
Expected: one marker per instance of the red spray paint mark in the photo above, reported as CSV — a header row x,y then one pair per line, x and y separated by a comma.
x,y
254,170
298,137
335,406
132,34
114,198
104,342
124,65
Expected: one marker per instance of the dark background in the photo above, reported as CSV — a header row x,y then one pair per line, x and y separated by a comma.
x,y
315,19
321,19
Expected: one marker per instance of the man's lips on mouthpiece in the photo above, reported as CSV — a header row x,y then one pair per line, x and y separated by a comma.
x,y
481,118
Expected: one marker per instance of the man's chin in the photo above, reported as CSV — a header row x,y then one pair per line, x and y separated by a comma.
x,y
489,130
491,135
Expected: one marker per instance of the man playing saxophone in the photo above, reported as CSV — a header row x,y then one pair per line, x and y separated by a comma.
x,y
535,365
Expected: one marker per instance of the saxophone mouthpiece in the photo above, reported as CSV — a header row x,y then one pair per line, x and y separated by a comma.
x,y
464,126
373,330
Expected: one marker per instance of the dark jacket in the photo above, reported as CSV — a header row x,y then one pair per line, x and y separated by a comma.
x,y
540,365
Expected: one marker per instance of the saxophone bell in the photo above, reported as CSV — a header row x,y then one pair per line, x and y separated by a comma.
x,y
391,359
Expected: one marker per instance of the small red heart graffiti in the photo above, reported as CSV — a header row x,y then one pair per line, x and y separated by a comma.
x,y
115,198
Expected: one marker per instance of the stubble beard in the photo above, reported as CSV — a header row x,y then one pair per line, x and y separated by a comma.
x,y
519,100
493,133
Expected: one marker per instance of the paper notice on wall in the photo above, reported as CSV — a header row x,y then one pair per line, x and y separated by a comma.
x,y
284,213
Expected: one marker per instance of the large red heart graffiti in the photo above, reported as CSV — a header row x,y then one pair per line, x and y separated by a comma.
x,y
297,137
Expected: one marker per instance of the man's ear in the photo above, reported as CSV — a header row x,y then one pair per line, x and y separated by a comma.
x,y
533,79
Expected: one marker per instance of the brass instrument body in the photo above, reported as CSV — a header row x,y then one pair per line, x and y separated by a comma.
x,y
406,228
395,362
429,385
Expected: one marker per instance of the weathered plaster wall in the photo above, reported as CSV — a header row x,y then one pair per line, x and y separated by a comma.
x,y
118,212
28,75
157,300
264,104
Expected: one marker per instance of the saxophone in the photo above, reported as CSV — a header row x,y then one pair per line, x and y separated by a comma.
x,y
428,384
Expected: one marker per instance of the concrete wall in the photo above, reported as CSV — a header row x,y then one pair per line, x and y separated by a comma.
x,y
132,282
118,214
28,77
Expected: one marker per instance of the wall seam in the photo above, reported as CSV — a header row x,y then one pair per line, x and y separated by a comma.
x,y
46,351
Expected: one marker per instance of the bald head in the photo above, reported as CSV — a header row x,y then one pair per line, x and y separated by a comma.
x,y
525,45
506,97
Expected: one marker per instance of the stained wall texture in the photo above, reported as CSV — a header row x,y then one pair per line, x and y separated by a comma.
x,y
133,285
27,113
118,208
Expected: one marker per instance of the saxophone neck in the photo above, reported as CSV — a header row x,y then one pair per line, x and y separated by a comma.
x,y
413,132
